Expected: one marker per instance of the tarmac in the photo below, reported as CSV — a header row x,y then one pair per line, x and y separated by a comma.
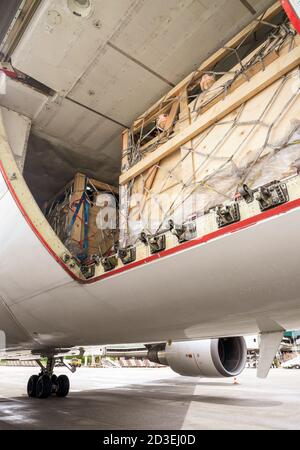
x,y
153,399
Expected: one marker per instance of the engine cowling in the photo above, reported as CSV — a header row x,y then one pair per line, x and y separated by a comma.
x,y
223,357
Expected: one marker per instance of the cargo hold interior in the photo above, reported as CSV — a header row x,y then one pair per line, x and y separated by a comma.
x,y
74,174
49,165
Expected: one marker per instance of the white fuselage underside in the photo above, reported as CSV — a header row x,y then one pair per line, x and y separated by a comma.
x,y
237,284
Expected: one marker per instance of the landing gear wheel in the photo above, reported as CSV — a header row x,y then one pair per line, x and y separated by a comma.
x,y
31,386
63,386
44,386
54,383
54,379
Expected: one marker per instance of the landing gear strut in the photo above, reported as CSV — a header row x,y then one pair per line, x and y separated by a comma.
x,y
46,383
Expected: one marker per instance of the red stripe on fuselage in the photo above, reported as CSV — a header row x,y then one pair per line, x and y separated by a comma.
x,y
186,245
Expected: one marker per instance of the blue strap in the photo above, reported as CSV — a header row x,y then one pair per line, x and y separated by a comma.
x,y
69,229
86,225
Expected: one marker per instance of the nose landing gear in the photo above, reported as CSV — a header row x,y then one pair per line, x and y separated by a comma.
x,y
47,383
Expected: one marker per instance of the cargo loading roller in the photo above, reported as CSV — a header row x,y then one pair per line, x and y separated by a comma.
x,y
187,289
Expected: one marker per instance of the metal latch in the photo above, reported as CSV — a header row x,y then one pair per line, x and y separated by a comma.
x,y
157,243
271,195
184,232
109,262
88,265
246,193
88,270
127,255
143,238
228,214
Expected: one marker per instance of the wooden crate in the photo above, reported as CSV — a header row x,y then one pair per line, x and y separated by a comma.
x,y
244,129
66,213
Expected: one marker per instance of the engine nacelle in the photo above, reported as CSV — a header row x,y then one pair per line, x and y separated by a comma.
x,y
223,357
